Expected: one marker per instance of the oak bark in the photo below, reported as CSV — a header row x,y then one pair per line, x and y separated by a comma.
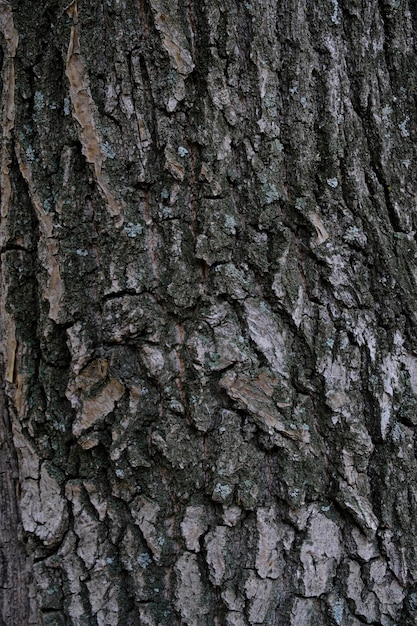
x,y
208,312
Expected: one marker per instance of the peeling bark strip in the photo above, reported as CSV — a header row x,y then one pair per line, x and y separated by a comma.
x,y
208,313
14,567
8,115
11,39
84,111
54,288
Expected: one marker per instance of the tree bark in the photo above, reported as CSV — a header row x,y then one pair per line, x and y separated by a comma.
x,y
208,312
14,571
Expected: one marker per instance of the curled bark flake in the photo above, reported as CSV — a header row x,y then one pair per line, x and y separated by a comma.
x,y
255,396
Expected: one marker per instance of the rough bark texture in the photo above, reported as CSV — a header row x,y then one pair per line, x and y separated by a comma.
x,y
14,574
208,311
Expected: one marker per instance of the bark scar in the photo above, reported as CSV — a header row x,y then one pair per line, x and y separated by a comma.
x,y
84,112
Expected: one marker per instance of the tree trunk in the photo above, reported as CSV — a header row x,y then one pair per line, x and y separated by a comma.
x,y
208,312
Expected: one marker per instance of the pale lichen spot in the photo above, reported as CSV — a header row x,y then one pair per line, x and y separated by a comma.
x,y
133,230
403,127
182,151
